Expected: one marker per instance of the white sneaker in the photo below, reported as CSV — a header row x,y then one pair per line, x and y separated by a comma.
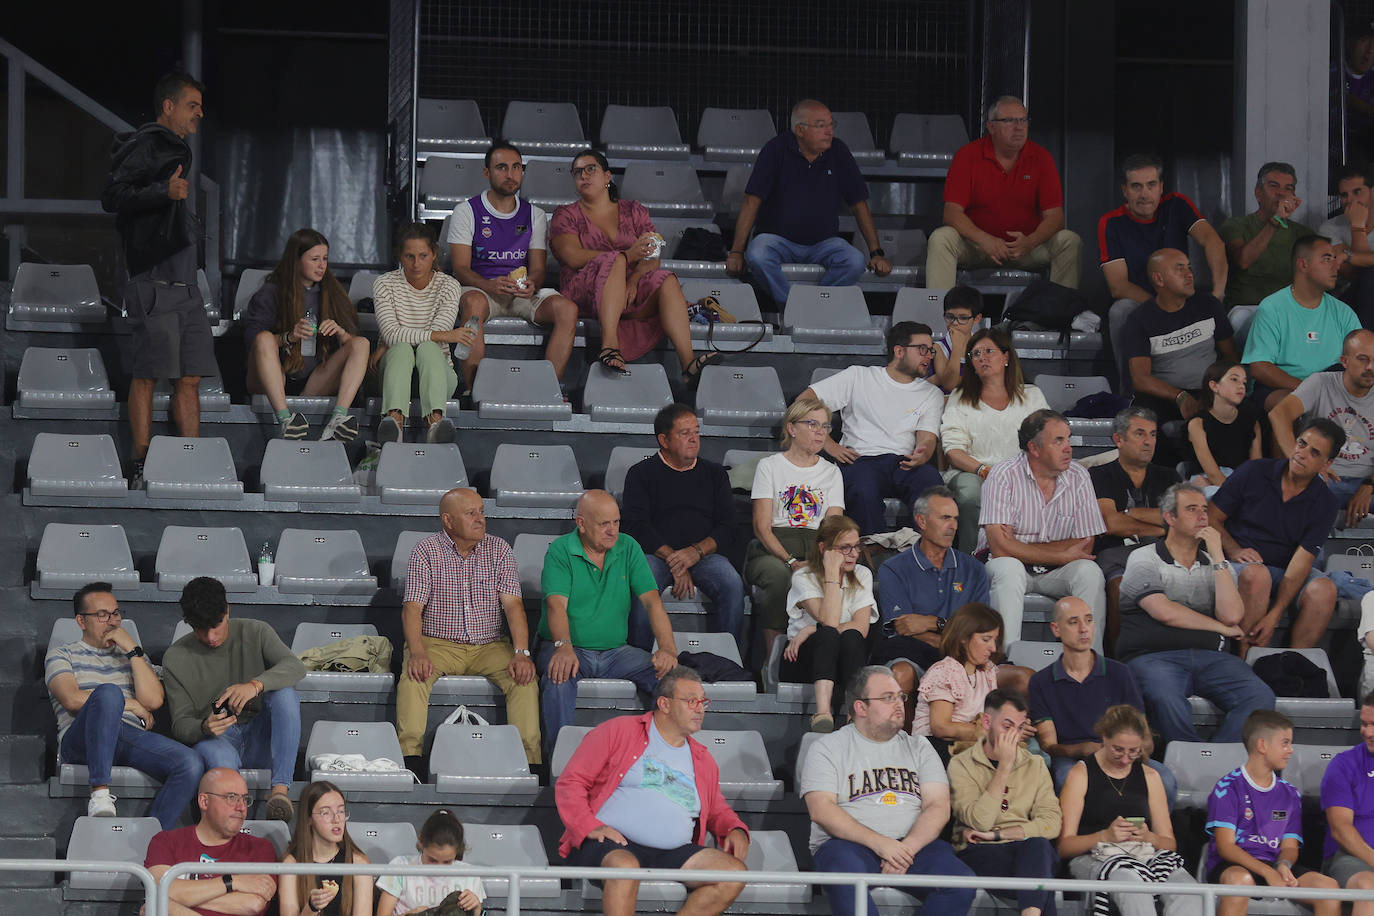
x,y
102,804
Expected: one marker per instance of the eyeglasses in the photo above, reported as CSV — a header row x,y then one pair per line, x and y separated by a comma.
x,y
848,549
588,170
985,352
957,319
812,425
888,698
821,125
694,702
102,616
332,814
1015,122
232,799
923,349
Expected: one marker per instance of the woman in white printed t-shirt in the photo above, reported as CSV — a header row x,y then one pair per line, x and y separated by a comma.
x,y
794,491
441,843
830,608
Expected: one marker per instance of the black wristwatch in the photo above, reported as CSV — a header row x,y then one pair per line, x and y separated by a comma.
x,y
877,253
939,624
135,652
228,883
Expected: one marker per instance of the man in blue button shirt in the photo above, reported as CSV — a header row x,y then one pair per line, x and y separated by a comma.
x,y
921,587
799,180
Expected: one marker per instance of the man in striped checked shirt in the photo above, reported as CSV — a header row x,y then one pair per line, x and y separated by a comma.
x,y
463,614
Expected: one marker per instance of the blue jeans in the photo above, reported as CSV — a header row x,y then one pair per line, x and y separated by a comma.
x,y
869,480
559,701
766,254
935,858
269,739
1167,679
1345,488
716,579
1060,766
100,739
1030,858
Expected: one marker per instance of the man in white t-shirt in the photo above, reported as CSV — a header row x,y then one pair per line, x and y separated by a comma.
x,y
879,799
497,244
891,418
1347,399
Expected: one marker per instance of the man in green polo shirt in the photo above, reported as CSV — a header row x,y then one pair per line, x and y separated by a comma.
x,y
589,577
1259,245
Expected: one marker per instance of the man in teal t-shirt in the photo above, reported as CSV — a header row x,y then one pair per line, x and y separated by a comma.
x,y
589,577
1299,329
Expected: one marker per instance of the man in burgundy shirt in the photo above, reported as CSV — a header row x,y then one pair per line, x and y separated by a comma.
x,y
1004,206
223,799
640,793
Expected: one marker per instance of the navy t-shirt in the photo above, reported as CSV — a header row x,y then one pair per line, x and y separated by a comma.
x,y
1122,236
800,198
1257,516
1110,481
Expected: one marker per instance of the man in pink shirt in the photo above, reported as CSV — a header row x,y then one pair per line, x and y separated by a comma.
x,y
640,793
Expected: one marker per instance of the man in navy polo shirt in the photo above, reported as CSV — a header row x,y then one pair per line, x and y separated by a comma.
x,y
1068,696
922,587
799,179
1279,512
1150,220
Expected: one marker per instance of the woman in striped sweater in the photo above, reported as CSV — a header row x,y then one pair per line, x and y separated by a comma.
x,y
416,308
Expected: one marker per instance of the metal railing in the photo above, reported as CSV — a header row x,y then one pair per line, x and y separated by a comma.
x,y
64,865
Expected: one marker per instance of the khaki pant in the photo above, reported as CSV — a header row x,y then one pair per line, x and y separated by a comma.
x,y
490,661
947,251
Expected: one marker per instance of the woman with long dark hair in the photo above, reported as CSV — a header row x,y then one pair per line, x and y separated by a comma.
x,y
321,836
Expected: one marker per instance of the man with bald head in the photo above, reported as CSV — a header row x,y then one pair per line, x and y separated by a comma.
x,y
799,180
590,574
223,799
1171,339
463,614
1347,399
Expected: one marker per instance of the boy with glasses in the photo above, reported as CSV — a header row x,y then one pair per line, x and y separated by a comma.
x,y
963,314
104,691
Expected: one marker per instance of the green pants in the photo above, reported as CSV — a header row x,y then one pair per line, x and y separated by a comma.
x,y
428,360
771,577
968,496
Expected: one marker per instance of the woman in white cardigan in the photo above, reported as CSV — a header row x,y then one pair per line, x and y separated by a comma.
x,y
981,418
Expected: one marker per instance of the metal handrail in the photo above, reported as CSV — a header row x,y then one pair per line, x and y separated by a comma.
x,y
65,865
862,882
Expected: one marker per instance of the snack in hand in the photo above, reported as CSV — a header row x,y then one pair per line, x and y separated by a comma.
x,y
659,243
521,277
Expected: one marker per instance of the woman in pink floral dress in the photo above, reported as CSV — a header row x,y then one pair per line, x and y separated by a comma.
x,y
603,245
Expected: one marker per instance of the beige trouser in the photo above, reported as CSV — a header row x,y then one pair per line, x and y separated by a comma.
x,y
491,661
947,251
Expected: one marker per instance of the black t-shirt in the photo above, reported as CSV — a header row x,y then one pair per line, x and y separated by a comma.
x,y
1110,481
1230,442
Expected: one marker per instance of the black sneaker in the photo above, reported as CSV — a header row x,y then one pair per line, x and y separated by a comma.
x,y
388,430
136,477
343,427
295,426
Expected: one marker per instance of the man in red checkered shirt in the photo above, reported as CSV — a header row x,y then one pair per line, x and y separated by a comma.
x,y
463,615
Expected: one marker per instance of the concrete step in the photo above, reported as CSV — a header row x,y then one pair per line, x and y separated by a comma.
x,y
37,900
27,811
27,848
22,759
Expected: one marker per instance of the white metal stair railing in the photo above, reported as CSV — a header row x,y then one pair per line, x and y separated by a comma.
x,y
862,882
150,895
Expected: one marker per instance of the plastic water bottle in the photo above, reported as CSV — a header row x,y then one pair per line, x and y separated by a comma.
x,y
308,344
461,351
267,567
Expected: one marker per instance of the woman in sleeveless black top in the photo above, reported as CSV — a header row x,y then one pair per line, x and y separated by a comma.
x,y
1116,819
321,836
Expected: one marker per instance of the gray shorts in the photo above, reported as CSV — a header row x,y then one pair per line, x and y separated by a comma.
x,y
171,331
1343,866
513,306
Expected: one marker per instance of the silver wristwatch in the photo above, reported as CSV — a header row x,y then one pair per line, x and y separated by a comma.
x,y
559,643
524,652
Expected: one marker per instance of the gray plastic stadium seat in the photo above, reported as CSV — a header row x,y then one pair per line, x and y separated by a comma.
x,y
360,287
633,396
672,227
745,772
206,296
65,630
906,249
64,378
918,304
1063,391
212,396
569,737
306,471
1359,565
400,557
382,842
665,187
722,644
417,474
771,850
518,389
76,465
544,127
641,132
740,396
852,127
1308,765
829,315
109,839
498,845
732,190
1300,708
449,125
820,373
56,292
278,833
740,457
250,281
371,739
1032,654
1198,766
482,760
185,553
539,476
548,184
736,298
926,140
529,557
803,749
1240,317
69,556
311,635
444,181
182,468
623,457
322,562
734,134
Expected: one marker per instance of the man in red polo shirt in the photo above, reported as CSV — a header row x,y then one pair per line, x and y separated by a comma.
x,y
1004,206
